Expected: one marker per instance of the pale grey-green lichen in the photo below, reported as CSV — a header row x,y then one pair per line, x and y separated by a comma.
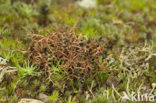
x,y
4,68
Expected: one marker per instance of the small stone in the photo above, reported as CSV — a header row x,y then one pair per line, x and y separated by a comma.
x,y
26,100
87,3
113,80
43,97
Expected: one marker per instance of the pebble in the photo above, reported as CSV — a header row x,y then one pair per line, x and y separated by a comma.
x,y
26,100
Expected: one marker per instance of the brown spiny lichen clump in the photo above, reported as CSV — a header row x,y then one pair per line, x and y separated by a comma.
x,y
78,57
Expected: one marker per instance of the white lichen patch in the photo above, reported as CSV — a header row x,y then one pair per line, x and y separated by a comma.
x,y
4,68
3,61
135,60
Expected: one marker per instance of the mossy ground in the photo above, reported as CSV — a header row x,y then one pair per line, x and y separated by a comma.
x,y
128,62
